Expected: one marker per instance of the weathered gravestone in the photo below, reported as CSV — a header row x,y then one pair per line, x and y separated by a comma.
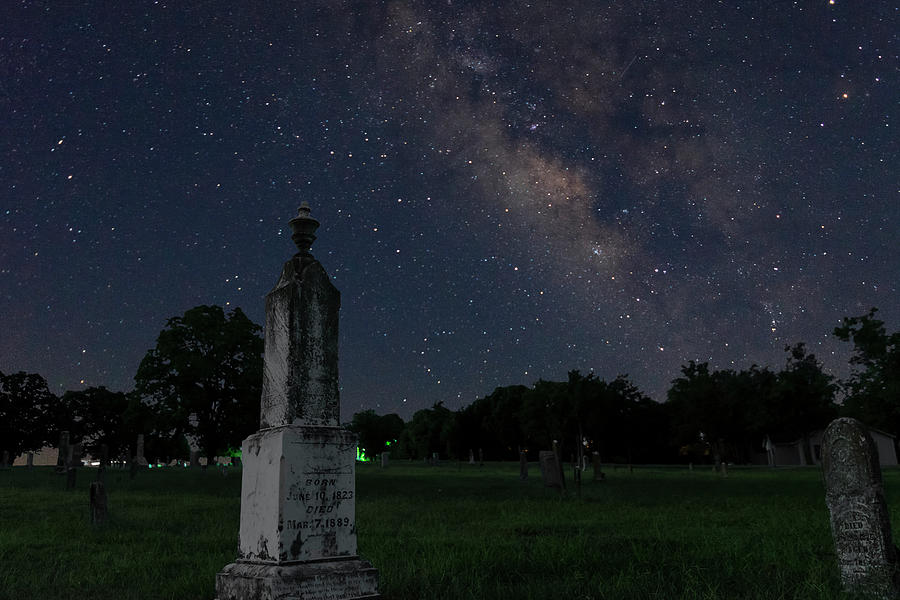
x,y
860,526
523,466
104,462
597,466
73,460
62,452
139,457
29,461
471,456
385,458
550,469
195,458
297,536
99,503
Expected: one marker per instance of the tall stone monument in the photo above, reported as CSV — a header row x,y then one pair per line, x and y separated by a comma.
x,y
297,536
865,551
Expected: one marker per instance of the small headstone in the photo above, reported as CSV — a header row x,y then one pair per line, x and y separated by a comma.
x,y
62,452
597,466
104,462
523,466
724,471
139,453
550,470
471,456
195,458
30,460
385,457
99,503
73,459
71,474
77,453
866,555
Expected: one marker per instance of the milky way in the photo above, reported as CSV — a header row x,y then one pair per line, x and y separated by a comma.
x,y
507,192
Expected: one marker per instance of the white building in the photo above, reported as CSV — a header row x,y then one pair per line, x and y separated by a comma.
x,y
791,452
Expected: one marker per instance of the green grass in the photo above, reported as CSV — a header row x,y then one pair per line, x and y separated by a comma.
x,y
443,533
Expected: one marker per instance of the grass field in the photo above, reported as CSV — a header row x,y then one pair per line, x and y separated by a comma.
x,y
450,532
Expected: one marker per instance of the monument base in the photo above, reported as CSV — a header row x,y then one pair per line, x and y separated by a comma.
x,y
342,579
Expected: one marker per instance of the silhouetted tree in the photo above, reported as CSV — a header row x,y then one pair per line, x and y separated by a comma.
x,y
721,409
430,430
204,377
98,416
804,398
26,410
873,390
376,432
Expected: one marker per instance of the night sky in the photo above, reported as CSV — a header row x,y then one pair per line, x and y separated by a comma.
x,y
507,191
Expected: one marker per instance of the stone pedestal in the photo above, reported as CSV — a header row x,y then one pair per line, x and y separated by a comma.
x,y
298,495
352,579
298,519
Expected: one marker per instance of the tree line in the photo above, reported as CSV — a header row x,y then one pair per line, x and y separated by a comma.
x,y
203,380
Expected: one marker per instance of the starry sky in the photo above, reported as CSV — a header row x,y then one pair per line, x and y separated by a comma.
x,y
507,190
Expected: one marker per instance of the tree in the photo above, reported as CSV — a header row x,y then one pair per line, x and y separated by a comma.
x,y
873,390
721,410
204,377
804,398
26,412
430,430
375,432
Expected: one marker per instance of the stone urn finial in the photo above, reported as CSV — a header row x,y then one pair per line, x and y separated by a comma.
x,y
304,227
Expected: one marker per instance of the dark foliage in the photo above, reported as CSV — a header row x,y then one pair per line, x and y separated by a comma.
x,y
204,378
27,413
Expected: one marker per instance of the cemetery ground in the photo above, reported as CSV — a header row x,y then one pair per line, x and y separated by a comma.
x,y
456,531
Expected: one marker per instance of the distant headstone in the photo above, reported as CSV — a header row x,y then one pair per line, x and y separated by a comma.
x,y
62,452
385,458
597,466
30,460
71,476
867,558
550,469
195,458
297,538
104,462
99,504
73,459
523,466
471,456
139,457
